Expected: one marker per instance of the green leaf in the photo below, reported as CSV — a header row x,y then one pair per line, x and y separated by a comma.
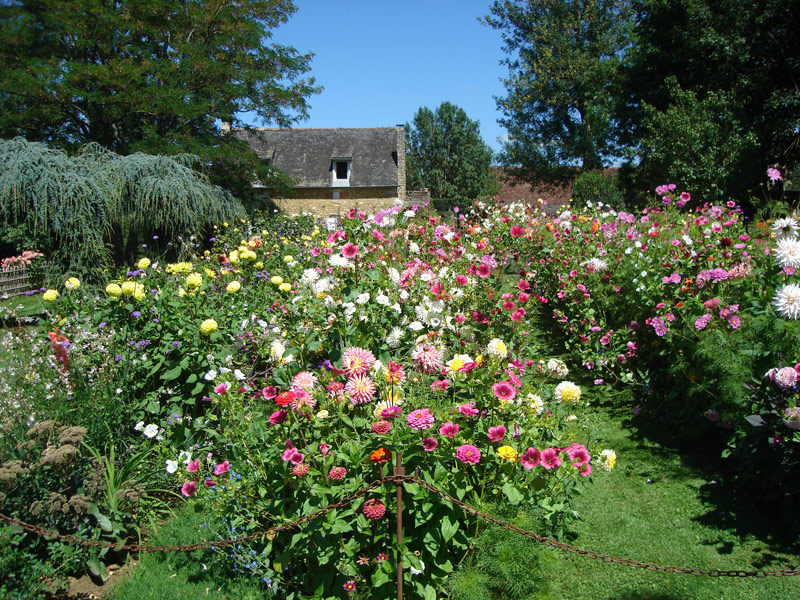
x,y
341,527
512,493
379,578
97,568
104,522
449,528
173,373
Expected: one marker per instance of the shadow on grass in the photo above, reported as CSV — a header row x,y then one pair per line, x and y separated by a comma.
x,y
649,595
682,454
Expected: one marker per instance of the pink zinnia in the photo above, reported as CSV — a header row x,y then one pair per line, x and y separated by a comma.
x,y
357,361
504,391
381,427
429,444
427,359
523,285
349,250
359,389
550,459
391,412
304,380
420,419
300,470
483,270
222,468
374,509
496,434
530,458
189,488
468,410
449,429
337,473
468,454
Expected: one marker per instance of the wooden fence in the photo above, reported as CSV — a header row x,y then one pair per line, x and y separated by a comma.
x,y
17,280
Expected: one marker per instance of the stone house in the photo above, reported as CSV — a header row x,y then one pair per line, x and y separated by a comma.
x,y
335,170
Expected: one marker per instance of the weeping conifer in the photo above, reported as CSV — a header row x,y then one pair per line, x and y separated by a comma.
x,y
97,206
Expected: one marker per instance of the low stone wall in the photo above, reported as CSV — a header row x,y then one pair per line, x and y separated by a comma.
x,y
321,202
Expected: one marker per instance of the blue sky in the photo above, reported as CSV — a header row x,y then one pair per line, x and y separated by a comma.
x,y
380,61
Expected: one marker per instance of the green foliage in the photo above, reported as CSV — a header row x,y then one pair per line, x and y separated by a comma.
x,y
700,142
153,76
446,154
564,61
24,572
95,208
505,565
737,63
593,187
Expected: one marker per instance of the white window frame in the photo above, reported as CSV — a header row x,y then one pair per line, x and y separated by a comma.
x,y
334,164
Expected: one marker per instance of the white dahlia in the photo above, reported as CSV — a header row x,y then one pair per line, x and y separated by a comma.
x,y
787,301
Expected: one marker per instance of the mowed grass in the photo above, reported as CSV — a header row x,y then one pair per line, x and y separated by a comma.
x,y
655,507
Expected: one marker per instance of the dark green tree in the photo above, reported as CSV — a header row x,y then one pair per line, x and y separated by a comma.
x,y
446,154
94,208
727,75
153,76
564,62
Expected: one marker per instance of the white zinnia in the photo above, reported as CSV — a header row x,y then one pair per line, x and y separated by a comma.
x,y
787,301
787,252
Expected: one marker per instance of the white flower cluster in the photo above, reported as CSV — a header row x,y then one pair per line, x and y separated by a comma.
x,y
787,255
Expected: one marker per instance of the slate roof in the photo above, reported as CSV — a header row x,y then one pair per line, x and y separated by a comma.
x,y
305,155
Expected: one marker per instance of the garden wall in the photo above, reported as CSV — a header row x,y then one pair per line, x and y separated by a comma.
x,y
16,281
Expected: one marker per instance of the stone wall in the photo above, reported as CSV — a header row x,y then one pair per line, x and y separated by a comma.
x,y
321,201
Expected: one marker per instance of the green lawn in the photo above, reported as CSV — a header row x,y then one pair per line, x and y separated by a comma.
x,y
654,507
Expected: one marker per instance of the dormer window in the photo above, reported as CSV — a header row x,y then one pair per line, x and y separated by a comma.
x,y
340,171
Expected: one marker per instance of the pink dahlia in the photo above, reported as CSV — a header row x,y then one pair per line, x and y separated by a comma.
x,y
786,377
279,416
468,410
420,419
468,454
302,400
429,444
381,427
427,359
304,380
360,389
530,458
374,509
578,455
504,391
349,250
189,488
496,434
357,361
337,473
449,429
550,459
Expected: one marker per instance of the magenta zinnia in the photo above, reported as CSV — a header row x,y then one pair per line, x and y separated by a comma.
x,y
359,389
357,361
427,359
337,473
374,509
468,454
420,419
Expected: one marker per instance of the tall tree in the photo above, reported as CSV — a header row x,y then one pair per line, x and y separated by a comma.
x,y
564,60
446,154
150,75
744,53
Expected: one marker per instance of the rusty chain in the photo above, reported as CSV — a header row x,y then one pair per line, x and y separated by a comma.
x,y
398,479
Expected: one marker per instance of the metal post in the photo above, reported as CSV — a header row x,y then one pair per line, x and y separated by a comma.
x,y
399,470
